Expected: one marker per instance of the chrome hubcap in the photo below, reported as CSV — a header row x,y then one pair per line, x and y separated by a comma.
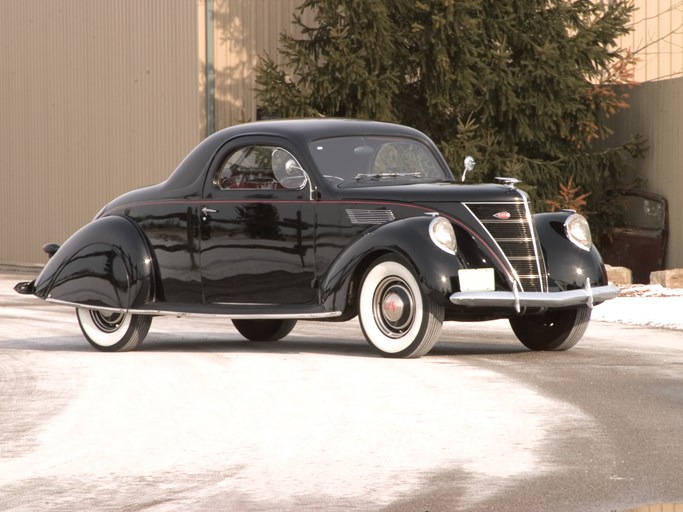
x,y
107,322
394,307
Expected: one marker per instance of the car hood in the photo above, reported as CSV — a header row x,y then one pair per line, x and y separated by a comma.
x,y
429,193
424,194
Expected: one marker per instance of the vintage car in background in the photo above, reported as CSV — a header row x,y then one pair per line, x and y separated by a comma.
x,y
273,222
639,241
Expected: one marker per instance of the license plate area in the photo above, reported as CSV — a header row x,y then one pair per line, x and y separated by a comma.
x,y
476,280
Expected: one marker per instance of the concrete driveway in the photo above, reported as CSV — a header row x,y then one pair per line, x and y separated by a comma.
x,y
198,419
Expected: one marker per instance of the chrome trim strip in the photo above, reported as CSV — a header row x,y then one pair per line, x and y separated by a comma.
x,y
511,269
241,316
535,244
528,220
76,305
515,299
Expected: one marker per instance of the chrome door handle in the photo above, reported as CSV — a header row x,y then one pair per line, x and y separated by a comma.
x,y
205,213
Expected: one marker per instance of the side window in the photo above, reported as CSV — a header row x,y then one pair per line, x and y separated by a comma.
x,y
263,167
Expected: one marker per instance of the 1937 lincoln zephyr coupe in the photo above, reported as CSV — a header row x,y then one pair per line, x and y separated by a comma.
x,y
272,222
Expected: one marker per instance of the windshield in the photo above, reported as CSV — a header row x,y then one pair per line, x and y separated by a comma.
x,y
348,161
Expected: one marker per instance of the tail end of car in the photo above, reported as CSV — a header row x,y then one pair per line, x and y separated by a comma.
x,y
106,264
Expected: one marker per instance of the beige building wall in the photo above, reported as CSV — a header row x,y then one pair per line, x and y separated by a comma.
x,y
656,39
243,29
97,97
656,110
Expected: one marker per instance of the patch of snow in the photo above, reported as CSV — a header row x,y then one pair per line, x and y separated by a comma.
x,y
646,305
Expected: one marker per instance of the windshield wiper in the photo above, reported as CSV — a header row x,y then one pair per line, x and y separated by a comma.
x,y
381,175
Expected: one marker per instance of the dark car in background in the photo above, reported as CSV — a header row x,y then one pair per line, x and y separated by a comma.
x,y
275,222
639,241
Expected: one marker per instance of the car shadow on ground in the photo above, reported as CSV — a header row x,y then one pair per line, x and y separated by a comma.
x,y
356,347
477,348
233,343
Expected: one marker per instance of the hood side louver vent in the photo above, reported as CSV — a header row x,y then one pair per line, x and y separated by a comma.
x,y
370,217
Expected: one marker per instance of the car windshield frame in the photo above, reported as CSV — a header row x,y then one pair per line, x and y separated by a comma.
x,y
362,160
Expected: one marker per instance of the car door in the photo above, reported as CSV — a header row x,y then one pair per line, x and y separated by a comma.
x,y
639,241
257,227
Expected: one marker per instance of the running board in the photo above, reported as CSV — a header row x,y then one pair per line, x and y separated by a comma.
x,y
229,311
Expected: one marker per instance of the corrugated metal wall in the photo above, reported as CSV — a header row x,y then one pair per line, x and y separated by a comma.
x,y
657,39
656,110
243,29
96,97
99,97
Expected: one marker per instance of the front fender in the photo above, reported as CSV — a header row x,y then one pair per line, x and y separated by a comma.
x,y
107,263
408,238
568,266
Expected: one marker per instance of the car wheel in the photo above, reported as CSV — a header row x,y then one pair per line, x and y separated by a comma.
x,y
555,330
264,330
113,331
397,319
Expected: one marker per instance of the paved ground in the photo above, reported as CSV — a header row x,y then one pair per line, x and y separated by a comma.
x,y
198,419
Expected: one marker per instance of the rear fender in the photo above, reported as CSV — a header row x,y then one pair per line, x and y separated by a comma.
x,y
106,264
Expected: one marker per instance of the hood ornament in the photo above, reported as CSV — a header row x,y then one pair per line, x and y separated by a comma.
x,y
510,182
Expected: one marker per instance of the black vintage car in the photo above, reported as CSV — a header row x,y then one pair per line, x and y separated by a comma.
x,y
273,222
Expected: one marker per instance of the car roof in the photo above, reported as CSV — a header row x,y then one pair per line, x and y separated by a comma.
x,y
317,128
300,131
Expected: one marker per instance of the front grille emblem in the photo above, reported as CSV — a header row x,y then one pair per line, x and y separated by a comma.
x,y
502,215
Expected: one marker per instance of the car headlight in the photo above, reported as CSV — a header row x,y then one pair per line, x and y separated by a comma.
x,y
577,230
442,234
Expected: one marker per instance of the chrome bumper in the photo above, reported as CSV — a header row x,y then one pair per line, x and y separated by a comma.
x,y
518,300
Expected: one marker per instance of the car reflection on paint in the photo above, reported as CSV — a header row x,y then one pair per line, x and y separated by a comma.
x,y
275,222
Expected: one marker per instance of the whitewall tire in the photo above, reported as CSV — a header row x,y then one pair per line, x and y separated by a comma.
x,y
113,332
397,319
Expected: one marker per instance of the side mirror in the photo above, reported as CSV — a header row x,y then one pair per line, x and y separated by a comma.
x,y
287,170
295,177
469,165
292,168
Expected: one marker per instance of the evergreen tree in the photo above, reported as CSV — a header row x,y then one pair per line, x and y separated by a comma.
x,y
525,86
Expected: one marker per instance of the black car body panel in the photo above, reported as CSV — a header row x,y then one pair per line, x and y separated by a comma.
x,y
107,263
568,267
217,237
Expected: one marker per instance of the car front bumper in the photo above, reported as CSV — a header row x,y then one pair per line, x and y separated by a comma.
x,y
552,300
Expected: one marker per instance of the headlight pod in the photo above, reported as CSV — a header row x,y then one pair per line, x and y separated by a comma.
x,y
578,232
442,234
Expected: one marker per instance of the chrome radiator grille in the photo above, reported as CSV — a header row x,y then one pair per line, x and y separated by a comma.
x,y
511,227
